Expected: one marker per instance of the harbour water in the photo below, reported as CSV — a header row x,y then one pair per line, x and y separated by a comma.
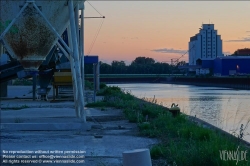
x,y
228,109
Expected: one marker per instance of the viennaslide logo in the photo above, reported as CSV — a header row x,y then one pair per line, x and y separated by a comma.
x,y
234,155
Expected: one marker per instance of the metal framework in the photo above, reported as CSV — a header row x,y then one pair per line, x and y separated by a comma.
x,y
75,49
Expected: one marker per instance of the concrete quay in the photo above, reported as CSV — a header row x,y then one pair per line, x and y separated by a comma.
x,y
28,125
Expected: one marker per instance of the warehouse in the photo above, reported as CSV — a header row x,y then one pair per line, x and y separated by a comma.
x,y
227,65
231,65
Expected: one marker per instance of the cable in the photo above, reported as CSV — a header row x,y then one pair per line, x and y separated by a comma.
x,y
94,8
184,54
98,30
92,44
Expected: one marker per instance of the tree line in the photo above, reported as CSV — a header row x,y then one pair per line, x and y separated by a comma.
x,y
141,65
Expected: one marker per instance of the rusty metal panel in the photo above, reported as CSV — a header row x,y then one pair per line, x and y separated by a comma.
x,y
30,39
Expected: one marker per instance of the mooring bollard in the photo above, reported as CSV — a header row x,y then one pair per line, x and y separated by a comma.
x,y
175,110
137,157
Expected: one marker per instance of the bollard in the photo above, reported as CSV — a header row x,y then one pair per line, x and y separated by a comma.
x,y
137,157
175,110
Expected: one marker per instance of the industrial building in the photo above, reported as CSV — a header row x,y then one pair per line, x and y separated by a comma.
x,y
206,57
228,65
206,45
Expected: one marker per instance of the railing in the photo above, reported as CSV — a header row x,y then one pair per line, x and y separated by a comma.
x,y
132,75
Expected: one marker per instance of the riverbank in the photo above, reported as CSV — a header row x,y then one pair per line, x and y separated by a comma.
x,y
225,82
236,82
183,142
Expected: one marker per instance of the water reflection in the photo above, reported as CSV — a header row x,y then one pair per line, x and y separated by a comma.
x,y
222,107
206,108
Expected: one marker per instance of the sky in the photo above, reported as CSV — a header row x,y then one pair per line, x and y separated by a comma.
x,y
161,29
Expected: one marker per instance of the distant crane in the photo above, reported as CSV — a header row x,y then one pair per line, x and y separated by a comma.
x,y
175,61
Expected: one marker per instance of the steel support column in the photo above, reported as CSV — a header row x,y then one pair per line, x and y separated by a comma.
x,y
82,47
73,73
77,23
76,61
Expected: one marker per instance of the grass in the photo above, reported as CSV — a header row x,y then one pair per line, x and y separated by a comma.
x,y
182,141
89,85
26,82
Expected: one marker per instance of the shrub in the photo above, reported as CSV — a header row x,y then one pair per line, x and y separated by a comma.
x,y
89,85
103,85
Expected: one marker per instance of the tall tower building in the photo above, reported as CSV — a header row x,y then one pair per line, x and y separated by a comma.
x,y
206,45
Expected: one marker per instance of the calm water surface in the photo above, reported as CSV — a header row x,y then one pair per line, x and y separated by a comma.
x,y
222,107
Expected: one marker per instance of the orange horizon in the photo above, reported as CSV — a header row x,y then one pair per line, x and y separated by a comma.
x,y
132,29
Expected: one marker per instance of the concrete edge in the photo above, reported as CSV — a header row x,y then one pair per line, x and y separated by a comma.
x,y
210,126
44,126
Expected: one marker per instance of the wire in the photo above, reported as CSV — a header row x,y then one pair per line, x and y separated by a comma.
x,y
184,54
98,30
92,44
94,8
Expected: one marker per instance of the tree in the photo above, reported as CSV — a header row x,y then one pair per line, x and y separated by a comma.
x,y
242,52
181,63
105,68
143,60
118,67
141,65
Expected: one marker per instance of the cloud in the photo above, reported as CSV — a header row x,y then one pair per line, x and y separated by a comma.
x,y
171,51
244,39
227,53
129,38
241,39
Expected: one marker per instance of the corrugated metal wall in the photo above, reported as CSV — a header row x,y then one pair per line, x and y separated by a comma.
x,y
217,66
231,64
240,65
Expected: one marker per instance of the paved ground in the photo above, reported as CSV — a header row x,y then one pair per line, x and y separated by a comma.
x,y
40,126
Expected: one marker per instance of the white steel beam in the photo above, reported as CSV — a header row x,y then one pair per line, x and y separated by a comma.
x,y
63,50
77,22
74,83
82,47
76,61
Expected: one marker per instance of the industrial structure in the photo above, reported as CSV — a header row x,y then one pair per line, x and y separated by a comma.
x,y
228,65
207,45
205,55
39,38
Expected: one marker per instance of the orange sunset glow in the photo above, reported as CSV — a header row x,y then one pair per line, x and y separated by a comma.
x,y
140,28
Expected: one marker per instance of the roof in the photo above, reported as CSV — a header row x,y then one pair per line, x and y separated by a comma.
x,y
234,57
190,67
